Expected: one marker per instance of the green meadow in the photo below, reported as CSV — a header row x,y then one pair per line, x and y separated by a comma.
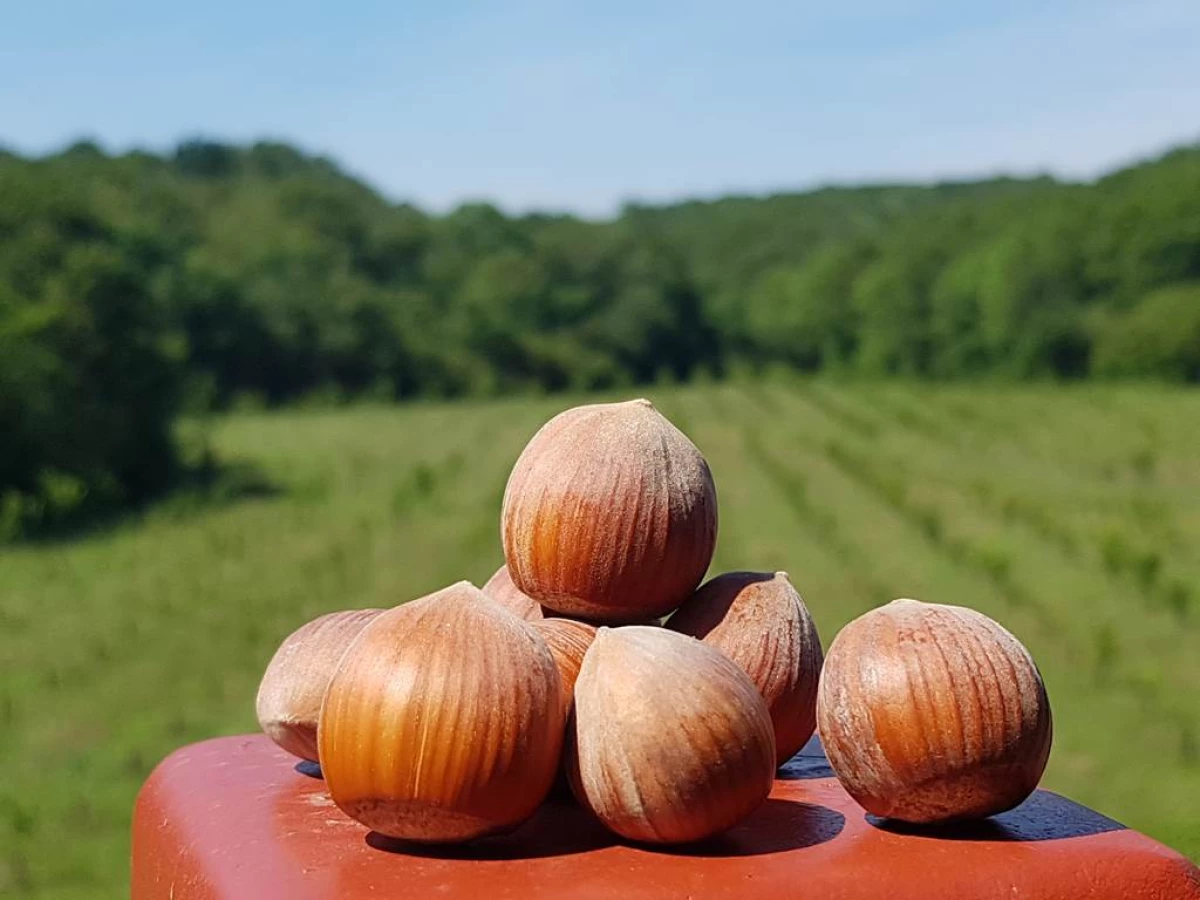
x,y
1071,515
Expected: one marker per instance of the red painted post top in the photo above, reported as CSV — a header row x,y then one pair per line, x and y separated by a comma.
x,y
235,818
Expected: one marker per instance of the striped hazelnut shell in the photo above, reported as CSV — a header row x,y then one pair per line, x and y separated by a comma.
x,y
568,641
289,698
669,742
932,713
610,514
760,622
501,589
444,721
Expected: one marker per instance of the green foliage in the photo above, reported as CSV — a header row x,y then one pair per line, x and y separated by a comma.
x,y
132,286
88,366
1158,338
802,314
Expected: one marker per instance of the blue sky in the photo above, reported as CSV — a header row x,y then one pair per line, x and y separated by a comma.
x,y
537,104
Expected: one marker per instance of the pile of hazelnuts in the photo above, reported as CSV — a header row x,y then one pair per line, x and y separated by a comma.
x,y
450,717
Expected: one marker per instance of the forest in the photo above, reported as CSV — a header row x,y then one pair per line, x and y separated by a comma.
x,y
136,288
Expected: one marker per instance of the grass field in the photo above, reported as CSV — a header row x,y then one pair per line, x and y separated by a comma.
x,y
1071,515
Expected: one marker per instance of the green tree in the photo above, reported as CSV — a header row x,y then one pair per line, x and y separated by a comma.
x,y
1158,338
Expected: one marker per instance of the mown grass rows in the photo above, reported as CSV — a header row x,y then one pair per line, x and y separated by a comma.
x,y
994,563
1121,553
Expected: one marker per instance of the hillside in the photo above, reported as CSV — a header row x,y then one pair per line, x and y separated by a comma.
x,y
136,286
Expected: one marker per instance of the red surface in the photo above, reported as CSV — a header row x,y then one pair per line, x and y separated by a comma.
x,y
233,818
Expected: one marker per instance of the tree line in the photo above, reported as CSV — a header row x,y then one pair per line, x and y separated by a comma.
x,y
138,285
